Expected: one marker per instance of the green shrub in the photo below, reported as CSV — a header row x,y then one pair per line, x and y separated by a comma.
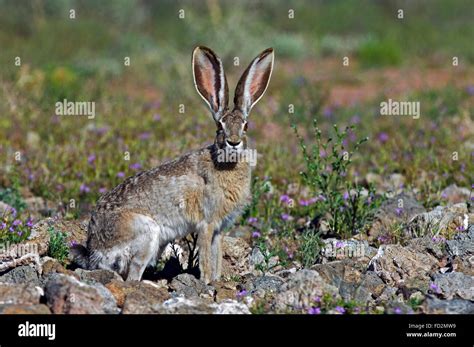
x,y
310,247
344,204
375,53
58,247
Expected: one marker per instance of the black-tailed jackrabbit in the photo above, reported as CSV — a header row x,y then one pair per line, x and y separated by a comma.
x,y
201,191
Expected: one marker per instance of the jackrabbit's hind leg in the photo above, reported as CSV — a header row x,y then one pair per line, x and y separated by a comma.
x,y
145,246
216,255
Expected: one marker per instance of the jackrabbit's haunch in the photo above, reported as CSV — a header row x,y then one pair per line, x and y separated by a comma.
x,y
197,192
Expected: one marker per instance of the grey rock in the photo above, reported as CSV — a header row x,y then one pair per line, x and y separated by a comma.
x,y
195,305
189,286
454,194
352,283
402,266
388,294
109,304
20,294
351,291
462,244
262,284
100,276
373,284
24,309
268,283
456,306
180,305
236,253
66,294
427,245
439,221
286,272
21,274
454,285
390,213
299,291
256,257
395,307
138,297
231,307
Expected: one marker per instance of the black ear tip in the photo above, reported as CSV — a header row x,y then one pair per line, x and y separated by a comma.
x,y
266,53
204,49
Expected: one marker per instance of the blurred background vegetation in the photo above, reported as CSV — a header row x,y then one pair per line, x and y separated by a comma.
x,y
82,59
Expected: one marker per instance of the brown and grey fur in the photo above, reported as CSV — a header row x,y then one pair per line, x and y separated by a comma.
x,y
133,223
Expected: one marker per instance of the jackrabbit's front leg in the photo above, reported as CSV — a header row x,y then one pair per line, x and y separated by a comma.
x,y
216,255
205,253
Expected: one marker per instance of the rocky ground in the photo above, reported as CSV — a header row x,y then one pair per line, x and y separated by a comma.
x,y
426,273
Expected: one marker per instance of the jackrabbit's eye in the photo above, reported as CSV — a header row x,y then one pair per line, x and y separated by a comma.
x,y
245,126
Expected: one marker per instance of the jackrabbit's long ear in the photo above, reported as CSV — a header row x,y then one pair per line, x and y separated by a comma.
x,y
210,80
254,81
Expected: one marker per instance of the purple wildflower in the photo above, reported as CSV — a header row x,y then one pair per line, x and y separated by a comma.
x,y
242,293
303,202
102,190
84,188
470,89
328,112
314,310
256,234
135,166
355,119
156,117
435,288
285,217
16,222
340,309
399,211
29,223
397,310
382,137
339,244
91,159
144,136
102,130
285,199
252,220
120,174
